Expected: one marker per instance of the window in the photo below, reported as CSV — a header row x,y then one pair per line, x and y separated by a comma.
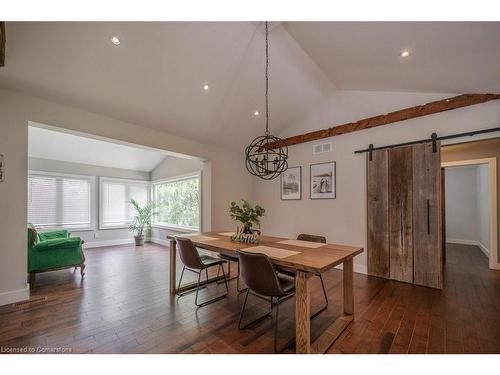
x,y
59,200
178,202
115,209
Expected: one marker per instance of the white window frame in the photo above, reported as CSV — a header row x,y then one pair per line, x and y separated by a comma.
x,y
187,176
91,180
103,179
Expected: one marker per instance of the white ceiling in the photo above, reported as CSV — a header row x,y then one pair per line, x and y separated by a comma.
x,y
54,145
155,77
460,57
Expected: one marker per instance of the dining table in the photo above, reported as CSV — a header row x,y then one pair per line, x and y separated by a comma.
x,y
305,258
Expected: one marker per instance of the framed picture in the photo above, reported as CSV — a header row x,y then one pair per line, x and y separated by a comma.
x,y
291,184
323,180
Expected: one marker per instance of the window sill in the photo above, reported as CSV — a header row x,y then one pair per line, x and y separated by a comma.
x,y
177,228
69,229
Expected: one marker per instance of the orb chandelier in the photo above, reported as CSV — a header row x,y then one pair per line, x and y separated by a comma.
x,y
266,156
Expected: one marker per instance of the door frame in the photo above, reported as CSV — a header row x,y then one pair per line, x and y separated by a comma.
x,y
492,202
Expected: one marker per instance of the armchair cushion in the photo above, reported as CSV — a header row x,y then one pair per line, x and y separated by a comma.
x,y
58,243
53,235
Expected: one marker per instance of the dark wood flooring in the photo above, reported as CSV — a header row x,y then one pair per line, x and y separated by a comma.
x,y
123,306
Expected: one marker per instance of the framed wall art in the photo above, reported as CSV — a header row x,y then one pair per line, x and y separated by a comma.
x,y
323,180
291,184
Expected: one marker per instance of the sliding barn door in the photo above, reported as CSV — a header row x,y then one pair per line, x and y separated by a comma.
x,y
427,232
400,214
378,213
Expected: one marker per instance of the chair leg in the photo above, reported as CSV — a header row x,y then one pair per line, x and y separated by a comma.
x,y
221,267
180,280
243,310
253,321
238,282
324,290
82,268
213,299
276,326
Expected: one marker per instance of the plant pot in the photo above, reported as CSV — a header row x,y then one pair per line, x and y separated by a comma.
x,y
247,230
139,240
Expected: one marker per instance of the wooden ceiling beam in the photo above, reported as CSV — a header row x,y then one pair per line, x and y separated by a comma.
x,y
3,40
392,117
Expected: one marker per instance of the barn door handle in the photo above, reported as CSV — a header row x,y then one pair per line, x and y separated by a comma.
x,y
428,218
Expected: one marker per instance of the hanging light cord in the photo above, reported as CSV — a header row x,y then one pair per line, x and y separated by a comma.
x,y
267,81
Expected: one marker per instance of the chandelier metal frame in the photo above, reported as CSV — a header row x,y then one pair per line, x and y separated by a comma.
x,y
262,160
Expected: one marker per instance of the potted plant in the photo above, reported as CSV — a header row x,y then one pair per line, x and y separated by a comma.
x,y
142,220
246,214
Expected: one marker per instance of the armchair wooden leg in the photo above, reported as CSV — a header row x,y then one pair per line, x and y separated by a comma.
x,y
82,267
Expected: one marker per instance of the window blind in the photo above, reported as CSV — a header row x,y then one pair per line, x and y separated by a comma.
x,y
116,210
59,201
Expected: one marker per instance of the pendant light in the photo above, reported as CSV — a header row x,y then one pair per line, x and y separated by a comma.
x,y
266,156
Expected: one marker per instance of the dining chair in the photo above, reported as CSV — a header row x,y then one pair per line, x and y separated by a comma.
x,y
230,258
196,263
260,276
291,273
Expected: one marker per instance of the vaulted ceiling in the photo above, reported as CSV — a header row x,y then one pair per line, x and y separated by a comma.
x,y
155,77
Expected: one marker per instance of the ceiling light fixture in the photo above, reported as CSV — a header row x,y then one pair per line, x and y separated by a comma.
x,y
206,87
115,40
405,53
256,113
266,156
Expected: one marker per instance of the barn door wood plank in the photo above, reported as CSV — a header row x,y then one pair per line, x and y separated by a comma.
x,y
400,214
427,216
378,213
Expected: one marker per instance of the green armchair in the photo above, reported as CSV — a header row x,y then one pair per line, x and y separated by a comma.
x,y
50,251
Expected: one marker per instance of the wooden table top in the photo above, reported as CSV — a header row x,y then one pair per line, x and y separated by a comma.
x,y
316,260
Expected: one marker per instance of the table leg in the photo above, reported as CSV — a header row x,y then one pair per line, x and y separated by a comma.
x,y
302,313
173,266
348,281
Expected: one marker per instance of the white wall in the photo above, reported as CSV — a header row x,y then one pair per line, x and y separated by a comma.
x,y
18,109
483,208
171,167
461,201
467,210
95,236
343,220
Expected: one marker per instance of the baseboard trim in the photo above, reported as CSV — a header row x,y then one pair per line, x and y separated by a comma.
x,y
477,243
93,244
461,241
159,241
483,248
358,268
15,296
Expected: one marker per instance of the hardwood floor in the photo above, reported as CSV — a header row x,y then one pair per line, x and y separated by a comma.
x,y
123,306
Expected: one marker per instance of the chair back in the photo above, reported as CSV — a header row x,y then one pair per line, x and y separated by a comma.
x,y
188,253
311,238
259,274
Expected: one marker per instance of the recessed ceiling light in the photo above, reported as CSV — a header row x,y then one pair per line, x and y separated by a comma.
x,y
115,40
405,53
206,87
256,113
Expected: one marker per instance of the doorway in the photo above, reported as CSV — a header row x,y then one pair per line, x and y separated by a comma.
x,y
470,208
